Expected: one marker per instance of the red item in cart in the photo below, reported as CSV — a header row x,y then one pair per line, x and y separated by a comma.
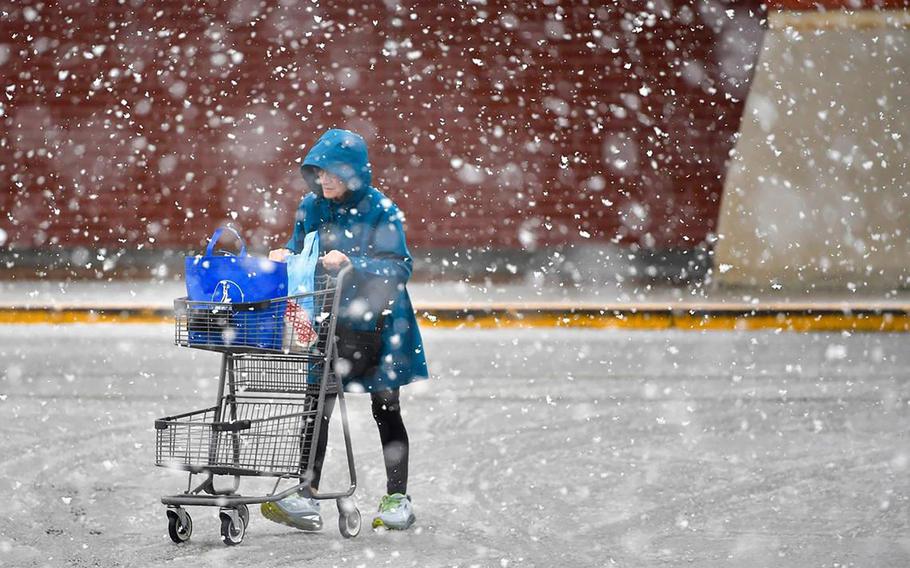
x,y
299,332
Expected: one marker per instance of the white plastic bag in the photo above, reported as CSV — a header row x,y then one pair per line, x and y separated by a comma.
x,y
299,334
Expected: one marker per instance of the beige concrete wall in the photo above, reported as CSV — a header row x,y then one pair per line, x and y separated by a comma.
x,y
817,194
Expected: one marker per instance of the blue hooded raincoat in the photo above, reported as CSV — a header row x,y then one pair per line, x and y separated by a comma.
x,y
366,226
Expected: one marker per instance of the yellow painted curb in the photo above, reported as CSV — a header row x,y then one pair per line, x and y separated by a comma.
x,y
67,316
712,319
657,320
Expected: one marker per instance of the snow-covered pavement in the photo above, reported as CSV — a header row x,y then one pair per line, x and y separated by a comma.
x,y
537,447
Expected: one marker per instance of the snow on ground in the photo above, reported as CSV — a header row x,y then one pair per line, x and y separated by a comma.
x,y
530,448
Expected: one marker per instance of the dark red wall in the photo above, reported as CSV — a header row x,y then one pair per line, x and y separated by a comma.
x,y
497,124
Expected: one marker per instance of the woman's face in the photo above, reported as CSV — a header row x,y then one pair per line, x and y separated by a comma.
x,y
332,186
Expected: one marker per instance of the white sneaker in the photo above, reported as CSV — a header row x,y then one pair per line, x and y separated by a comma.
x,y
395,512
295,511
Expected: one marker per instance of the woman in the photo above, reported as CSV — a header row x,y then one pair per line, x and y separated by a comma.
x,y
360,226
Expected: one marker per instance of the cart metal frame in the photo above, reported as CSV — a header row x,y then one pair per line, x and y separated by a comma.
x,y
233,507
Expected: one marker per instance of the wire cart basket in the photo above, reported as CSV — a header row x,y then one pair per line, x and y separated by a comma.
x,y
277,367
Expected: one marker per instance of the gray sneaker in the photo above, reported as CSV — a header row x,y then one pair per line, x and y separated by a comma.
x,y
395,512
294,511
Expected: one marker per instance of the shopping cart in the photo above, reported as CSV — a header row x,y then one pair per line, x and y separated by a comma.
x,y
276,369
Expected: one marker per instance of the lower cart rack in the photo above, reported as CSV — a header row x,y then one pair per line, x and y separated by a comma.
x,y
264,438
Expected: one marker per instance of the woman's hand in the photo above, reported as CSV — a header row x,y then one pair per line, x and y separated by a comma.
x,y
279,255
334,260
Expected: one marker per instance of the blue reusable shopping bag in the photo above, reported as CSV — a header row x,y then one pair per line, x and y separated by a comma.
x,y
235,279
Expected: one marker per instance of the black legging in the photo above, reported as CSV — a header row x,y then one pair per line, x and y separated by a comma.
x,y
392,434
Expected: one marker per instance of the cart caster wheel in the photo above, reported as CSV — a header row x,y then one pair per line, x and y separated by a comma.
x,y
349,520
244,512
179,525
232,527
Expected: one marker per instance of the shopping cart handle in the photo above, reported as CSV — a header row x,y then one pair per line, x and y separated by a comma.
x,y
231,426
343,273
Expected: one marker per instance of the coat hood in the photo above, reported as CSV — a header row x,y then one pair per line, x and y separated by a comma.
x,y
344,154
